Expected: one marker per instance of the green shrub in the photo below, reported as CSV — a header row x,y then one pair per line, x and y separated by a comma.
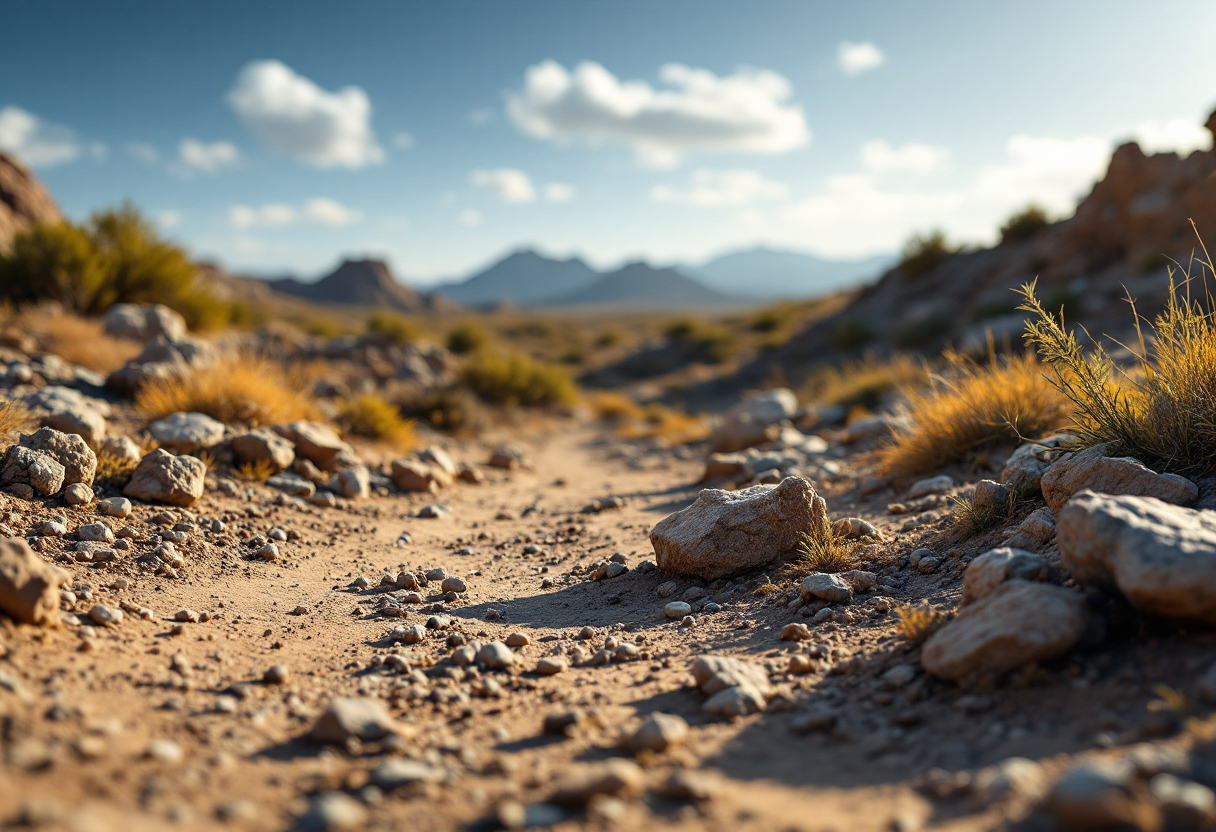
x,y
767,321
467,337
1024,224
609,338
681,330
451,409
924,253
715,345
392,327
513,378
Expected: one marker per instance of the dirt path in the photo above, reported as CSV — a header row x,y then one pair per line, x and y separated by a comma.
x,y
134,727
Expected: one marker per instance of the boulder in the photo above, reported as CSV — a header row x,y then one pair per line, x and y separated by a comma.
x,y
822,586
1159,556
411,475
1095,470
36,469
319,444
29,587
264,446
1025,466
724,533
187,433
994,567
69,450
164,478
352,483
755,420
353,717
143,321
1017,623
69,411
120,448
162,358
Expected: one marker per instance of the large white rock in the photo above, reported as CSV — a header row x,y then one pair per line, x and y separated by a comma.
x,y
724,533
755,419
70,411
1018,623
69,450
164,478
143,321
187,433
1095,470
1161,557
994,567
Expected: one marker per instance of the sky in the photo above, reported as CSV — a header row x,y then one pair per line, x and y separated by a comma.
x,y
280,137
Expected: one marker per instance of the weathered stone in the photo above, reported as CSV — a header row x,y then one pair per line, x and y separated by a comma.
x,y
38,470
69,450
162,477
657,734
121,448
826,587
854,528
1025,466
264,446
496,656
1161,557
114,507
411,475
740,700
353,483
725,533
1095,470
70,411
29,587
1098,794
292,484
162,358
395,773
508,457
77,494
991,497
352,717
1017,623
715,673
1039,526
142,322
994,567
612,777
754,420
438,458
732,466
932,485
318,444
187,433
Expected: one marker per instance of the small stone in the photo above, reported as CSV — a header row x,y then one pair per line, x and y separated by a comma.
x,y
667,589
332,812
98,532
518,640
276,674
927,565
434,511
740,700
795,632
78,494
115,507
551,666
165,751
826,587
658,733
1097,794
105,616
677,609
496,656
932,485
396,773
454,584
187,616
613,777
269,551
353,717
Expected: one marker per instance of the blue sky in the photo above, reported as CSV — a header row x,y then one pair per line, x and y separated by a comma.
x,y
278,137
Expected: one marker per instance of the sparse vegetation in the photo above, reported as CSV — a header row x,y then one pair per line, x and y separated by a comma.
x,y
970,407
821,550
1163,410
917,623
924,253
113,472
1024,225
257,471
79,340
866,383
14,419
467,337
452,409
248,391
615,407
396,329
371,417
969,519
673,426
514,378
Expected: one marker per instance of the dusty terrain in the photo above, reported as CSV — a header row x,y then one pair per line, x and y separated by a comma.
x,y
153,722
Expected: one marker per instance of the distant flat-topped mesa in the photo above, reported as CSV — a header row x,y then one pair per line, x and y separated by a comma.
x,y
360,283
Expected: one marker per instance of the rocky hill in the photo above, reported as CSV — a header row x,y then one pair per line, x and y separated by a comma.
x,y
1120,241
639,285
23,200
522,278
360,283
774,274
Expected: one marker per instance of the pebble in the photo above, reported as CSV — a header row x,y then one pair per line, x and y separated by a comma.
x,y
78,494
677,609
55,527
105,616
434,511
927,565
187,616
496,656
395,773
551,666
269,551
518,640
658,733
454,584
667,589
97,532
436,574
795,632
276,674
331,812
165,751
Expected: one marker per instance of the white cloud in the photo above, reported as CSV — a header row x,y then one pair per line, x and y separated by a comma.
x,y
403,141
169,219
748,112
712,189
1052,173
296,117
143,152
856,58
1178,135
36,142
879,157
470,218
318,211
511,186
205,157
559,192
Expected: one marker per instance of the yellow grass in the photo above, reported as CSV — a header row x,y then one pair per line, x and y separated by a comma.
x,y
14,419
916,624
971,407
373,418
516,379
80,341
674,426
821,550
614,407
867,382
257,471
246,391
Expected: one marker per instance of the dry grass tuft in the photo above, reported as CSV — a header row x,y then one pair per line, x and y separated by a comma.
x,y
516,379
917,623
257,471
372,417
247,391
615,407
1163,410
969,520
821,550
766,589
14,419
675,427
80,341
972,407
867,382
112,471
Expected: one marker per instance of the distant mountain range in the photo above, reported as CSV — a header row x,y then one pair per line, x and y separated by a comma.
x,y
528,279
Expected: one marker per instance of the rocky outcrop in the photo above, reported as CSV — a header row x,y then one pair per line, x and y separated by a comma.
x,y
69,450
725,533
29,587
1017,623
1094,469
23,201
27,471
1160,557
162,477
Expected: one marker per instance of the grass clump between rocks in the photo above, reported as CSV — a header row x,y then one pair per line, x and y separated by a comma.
x,y
516,379
1161,411
820,550
14,419
972,406
241,390
867,382
371,417
917,623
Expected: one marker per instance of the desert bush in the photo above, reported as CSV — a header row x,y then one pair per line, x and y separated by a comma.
x,y
371,417
656,421
768,320
609,338
514,378
467,337
247,391
1163,409
321,327
917,623
614,407
1024,225
970,407
56,262
924,253
850,334
681,330
867,382
112,471
392,327
81,341
451,409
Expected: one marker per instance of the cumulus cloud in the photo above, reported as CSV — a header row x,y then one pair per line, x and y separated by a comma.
x,y
714,189
856,58
1178,135
294,116
1050,172
207,157
143,152
879,157
470,218
38,143
511,186
747,112
318,211
559,192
